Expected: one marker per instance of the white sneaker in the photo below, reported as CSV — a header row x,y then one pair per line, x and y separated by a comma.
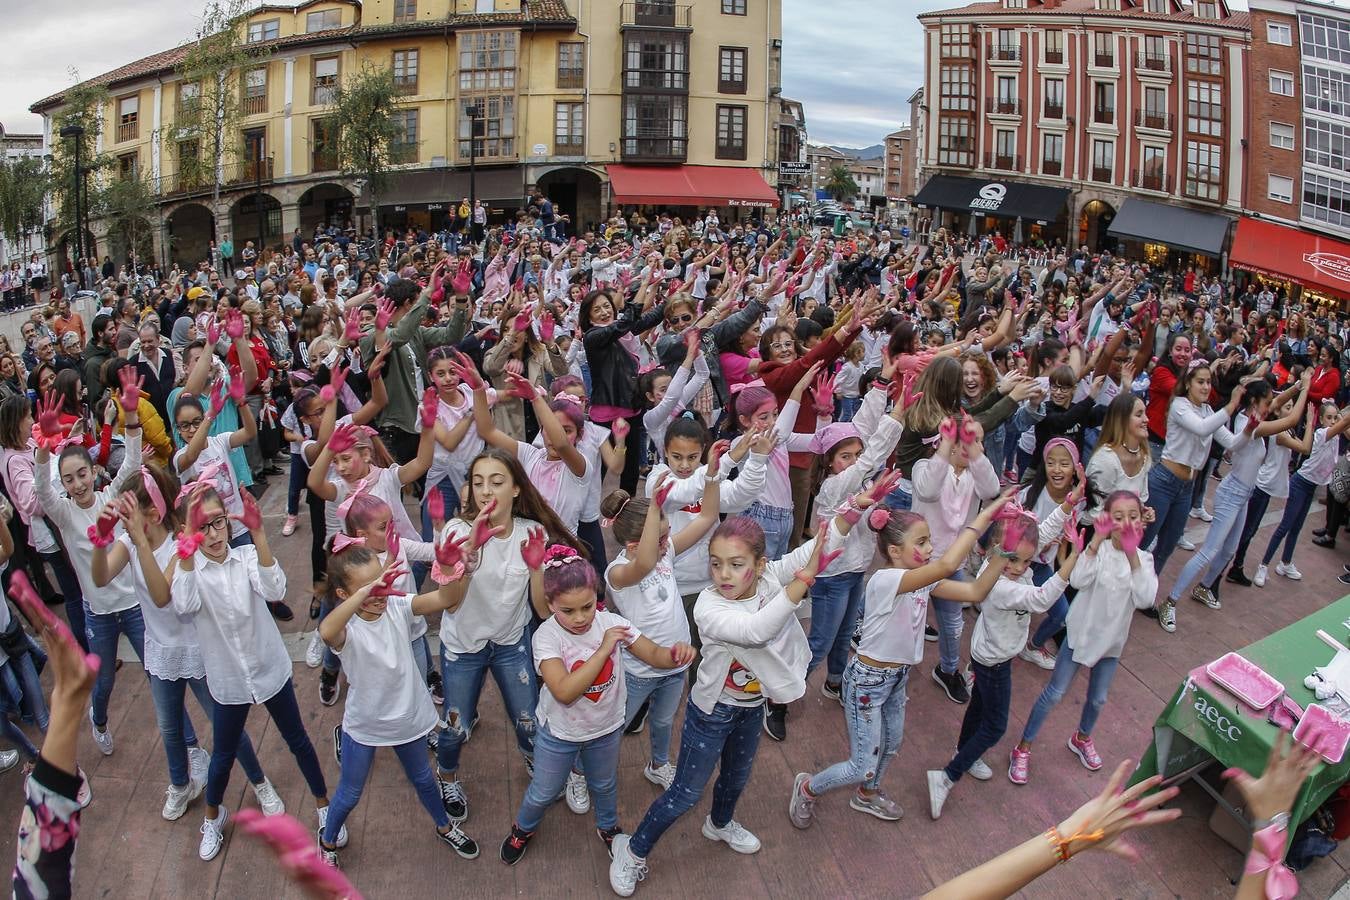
x,y
980,771
1259,579
625,869
733,833
8,759
1202,514
662,776
939,786
323,822
268,798
314,652
102,738
199,764
213,835
176,799
1185,543
578,797
1038,656
1288,570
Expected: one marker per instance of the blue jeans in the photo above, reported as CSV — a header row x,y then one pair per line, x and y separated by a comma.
x,y
1201,483
299,472
589,533
664,692
836,601
1054,617
227,725
421,651
71,593
1301,492
1256,511
1230,513
874,708
848,408
512,667
553,761
900,500
102,629
1099,682
777,525
729,737
1170,498
23,683
951,624
356,762
175,728
331,663
986,717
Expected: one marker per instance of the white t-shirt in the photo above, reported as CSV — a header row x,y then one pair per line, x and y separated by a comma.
x,y
601,708
383,483
1321,462
217,450
563,491
893,623
454,464
171,647
497,603
387,703
589,446
653,605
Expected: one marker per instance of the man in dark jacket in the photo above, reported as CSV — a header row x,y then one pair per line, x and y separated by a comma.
x,y
97,352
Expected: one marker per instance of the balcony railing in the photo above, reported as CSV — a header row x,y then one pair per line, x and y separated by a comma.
x,y
1054,111
1104,116
324,160
1005,53
1151,181
655,13
1003,163
1153,62
1002,106
1102,175
241,174
252,106
1054,57
1156,121
126,131
1104,60
571,78
1051,167
644,147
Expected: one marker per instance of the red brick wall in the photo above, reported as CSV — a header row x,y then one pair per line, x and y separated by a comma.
x,y
1263,159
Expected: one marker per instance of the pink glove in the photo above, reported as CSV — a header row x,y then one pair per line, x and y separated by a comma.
x,y
429,406
534,548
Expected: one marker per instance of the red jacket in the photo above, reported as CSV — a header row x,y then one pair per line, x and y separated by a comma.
x,y
1325,384
1160,386
782,378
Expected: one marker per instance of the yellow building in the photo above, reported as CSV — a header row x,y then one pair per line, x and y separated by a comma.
x,y
603,104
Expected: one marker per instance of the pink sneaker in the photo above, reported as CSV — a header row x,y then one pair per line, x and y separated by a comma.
x,y
289,528
1019,766
1086,752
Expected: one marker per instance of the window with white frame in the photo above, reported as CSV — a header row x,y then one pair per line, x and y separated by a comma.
x,y
1206,9
1279,33
1103,160
269,30
1322,37
956,88
1158,7
1280,188
1052,154
1153,171
1282,83
1204,170
1204,108
1005,142
1281,136
1326,199
1326,91
323,20
1326,144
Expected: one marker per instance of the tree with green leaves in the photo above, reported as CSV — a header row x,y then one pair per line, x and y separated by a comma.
x,y
24,183
370,130
127,206
841,185
214,64
82,105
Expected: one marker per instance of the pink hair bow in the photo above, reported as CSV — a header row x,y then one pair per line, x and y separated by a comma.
x,y
152,489
362,487
569,398
343,541
206,478
1267,855
737,388
649,367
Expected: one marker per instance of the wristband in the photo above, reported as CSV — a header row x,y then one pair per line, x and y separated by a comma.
x,y
1061,844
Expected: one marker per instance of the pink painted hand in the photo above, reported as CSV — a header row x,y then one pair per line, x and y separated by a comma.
x,y
534,548
521,387
101,532
450,552
387,585
52,629
822,393
392,542
663,486
682,654
430,404
49,415
483,529
130,393
217,398
352,331
384,312
1014,530
547,328
949,430
619,428
522,321
1131,536
237,391
188,543
436,508
342,439
234,323
293,846
1071,532
463,367
715,454
212,332
967,431
1103,525
251,517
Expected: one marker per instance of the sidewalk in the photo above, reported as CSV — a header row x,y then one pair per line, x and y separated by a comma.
x,y
128,851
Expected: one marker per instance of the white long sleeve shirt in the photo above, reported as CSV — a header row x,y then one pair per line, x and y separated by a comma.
x,y
836,490
1191,429
683,388
950,500
685,502
73,522
1108,594
246,661
1005,616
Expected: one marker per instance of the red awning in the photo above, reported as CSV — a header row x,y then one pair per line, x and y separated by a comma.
x,y
1318,262
689,186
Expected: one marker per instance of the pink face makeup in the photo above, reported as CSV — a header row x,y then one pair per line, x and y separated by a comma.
x,y
916,558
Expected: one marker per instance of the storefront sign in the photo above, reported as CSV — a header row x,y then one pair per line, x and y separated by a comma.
x,y
794,168
432,207
1332,265
758,204
990,197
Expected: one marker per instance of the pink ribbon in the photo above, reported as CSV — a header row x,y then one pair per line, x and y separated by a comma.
x,y
1267,855
343,541
206,477
152,489
569,398
362,487
737,388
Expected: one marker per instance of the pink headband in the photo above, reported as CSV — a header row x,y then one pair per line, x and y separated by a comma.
x,y
569,398
152,489
343,541
1066,444
1197,363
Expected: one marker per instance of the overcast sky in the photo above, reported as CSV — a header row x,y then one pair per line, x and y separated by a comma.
x,y
852,63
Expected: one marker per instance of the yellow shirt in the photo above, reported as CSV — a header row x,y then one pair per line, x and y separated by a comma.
x,y
153,433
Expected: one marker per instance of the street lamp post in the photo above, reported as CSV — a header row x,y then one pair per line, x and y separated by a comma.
x,y
475,112
76,132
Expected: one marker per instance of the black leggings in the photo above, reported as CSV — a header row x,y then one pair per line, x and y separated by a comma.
x,y
318,532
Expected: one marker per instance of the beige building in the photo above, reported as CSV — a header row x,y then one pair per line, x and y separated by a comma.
x,y
602,104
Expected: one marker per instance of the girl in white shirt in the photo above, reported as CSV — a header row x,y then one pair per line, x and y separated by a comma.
x,y
207,456
1303,484
224,590
583,702
894,613
1000,633
173,657
1114,578
642,585
669,395
502,513
1057,490
1230,499
1272,483
370,628
457,439
753,649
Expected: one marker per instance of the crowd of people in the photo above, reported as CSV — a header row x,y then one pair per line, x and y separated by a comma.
x,y
664,465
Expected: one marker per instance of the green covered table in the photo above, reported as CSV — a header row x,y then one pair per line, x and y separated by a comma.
x,y
1204,723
